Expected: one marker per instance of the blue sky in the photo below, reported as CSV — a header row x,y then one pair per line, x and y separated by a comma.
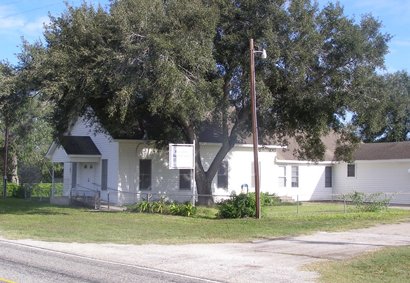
x,y
26,17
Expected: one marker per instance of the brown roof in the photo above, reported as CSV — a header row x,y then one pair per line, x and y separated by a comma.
x,y
383,151
289,153
365,151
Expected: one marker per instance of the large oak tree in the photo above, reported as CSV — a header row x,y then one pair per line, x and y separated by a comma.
x,y
169,69
384,114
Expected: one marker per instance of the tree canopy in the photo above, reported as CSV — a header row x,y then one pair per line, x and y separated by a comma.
x,y
168,69
385,114
24,117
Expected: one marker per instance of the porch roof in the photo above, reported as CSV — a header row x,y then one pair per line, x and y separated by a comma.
x,y
79,145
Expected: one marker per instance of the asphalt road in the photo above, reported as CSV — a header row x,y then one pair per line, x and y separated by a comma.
x,y
265,260
24,263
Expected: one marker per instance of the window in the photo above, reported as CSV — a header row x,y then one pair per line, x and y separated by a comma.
x,y
145,174
282,176
351,170
223,175
328,176
295,176
104,174
74,175
184,179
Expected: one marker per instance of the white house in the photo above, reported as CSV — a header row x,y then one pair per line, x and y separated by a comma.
x,y
378,168
306,180
127,170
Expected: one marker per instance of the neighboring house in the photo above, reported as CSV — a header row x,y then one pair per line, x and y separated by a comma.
x,y
127,171
378,168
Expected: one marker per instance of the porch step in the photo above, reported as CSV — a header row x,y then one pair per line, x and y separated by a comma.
x,y
288,199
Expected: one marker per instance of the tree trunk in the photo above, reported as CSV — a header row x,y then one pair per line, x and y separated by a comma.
x,y
203,182
204,178
204,188
13,169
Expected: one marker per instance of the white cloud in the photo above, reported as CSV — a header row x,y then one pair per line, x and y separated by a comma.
x,y
36,26
7,21
11,23
402,43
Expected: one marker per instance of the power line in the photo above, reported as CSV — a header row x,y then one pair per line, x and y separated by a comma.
x,y
29,11
54,3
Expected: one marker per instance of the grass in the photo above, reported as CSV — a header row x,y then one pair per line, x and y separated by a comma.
x,y
387,265
39,220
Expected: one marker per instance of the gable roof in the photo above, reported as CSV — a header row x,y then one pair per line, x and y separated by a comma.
x,y
288,153
79,145
383,151
364,151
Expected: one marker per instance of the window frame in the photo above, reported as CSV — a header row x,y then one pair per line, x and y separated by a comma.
x,y
328,176
104,174
222,180
351,170
282,181
145,176
185,179
253,174
294,177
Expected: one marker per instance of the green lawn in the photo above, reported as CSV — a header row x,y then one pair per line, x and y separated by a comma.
x,y
387,265
36,220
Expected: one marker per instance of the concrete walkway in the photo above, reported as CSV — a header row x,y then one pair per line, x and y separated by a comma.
x,y
277,260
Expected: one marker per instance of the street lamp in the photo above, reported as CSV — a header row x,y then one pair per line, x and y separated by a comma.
x,y
255,125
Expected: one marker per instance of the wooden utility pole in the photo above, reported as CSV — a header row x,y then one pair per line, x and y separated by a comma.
x,y
254,129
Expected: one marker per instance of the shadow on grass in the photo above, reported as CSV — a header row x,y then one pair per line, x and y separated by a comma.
x,y
29,207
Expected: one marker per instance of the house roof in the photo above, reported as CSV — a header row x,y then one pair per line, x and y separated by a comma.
x,y
289,153
383,151
79,145
365,151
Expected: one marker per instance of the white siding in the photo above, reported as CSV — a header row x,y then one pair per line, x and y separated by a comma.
x,y
67,179
311,182
166,181
59,156
108,149
390,177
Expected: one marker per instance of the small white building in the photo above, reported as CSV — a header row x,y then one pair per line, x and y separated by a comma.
x,y
378,168
126,171
306,180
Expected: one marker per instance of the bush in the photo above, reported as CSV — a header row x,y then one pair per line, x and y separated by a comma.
x,y
270,199
368,202
163,207
41,190
182,209
238,206
144,207
11,189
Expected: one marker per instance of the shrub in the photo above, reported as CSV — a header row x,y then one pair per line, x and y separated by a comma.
x,y
160,207
368,202
238,206
144,206
11,189
270,199
182,209
163,207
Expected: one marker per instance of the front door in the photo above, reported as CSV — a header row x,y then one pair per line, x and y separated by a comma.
x,y
86,178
